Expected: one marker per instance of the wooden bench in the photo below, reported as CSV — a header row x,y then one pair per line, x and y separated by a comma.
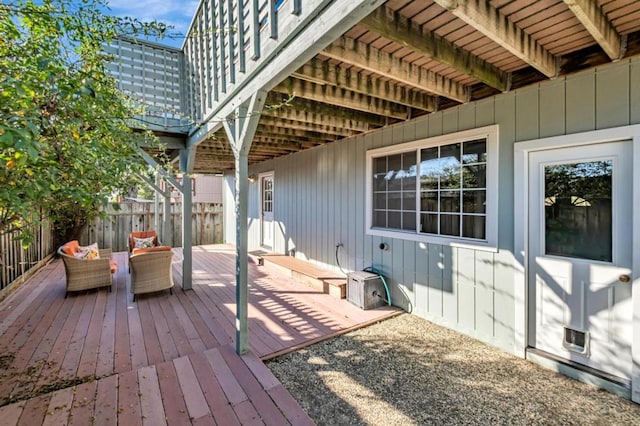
x,y
333,283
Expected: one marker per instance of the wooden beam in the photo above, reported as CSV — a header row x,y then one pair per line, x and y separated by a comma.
x,y
357,53
277,140
309,106
590,14
303,125
313,117
396,27
341,97
489,21
294,133
321,72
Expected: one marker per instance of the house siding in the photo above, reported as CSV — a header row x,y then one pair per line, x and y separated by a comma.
x,y
320,200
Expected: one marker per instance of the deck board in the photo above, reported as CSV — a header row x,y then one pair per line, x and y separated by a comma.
x,y
97,355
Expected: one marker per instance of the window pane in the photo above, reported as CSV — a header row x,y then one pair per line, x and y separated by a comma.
x,y
429,223
409,171
379,174
409,201
451,153
450,178
450,166
380,218
429,201
429,170
578,210
394,172
450,224
474,152
450,201
474,201
474,176
394,220
473,227
394,201
379,200
409,221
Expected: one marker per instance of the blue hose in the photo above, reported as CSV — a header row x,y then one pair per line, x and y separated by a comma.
x,y
384,282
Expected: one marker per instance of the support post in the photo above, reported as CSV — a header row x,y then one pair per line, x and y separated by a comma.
x,y
240,129
187,237
156,206
186,164
242,241
167,235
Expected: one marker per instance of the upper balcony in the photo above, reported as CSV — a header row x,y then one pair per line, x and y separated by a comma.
x,y
341,67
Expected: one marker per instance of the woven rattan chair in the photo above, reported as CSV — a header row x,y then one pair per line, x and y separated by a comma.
x,y
151,272
85,274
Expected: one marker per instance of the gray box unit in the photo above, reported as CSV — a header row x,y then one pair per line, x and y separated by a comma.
x,y
364,289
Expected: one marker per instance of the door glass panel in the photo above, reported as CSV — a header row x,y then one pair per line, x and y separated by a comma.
x,y
578,210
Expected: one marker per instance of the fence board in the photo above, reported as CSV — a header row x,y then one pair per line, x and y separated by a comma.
x,y
113,230
16,261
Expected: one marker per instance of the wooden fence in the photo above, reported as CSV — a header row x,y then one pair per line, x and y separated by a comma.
x,y
17,263
113,231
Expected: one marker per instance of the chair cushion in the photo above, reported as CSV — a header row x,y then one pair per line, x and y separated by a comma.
x,y
88,252
150,249
113,265
71,248
143,242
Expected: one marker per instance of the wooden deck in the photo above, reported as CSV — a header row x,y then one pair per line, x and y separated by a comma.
x,y
99,357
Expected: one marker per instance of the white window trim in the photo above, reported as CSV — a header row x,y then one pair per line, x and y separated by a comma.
x,y
490,243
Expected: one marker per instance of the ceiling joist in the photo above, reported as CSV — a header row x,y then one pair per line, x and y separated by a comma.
x,y
398,28
321,72
344,98
294,133
491,23
590,15
305,106
354,52
302,125
315,118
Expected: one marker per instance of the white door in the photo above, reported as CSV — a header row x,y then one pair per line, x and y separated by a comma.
x,y
579,262
266,210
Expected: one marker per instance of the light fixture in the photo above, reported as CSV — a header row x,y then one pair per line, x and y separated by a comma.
x,y
252,178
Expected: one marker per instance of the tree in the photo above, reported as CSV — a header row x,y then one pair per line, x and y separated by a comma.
x,y
65,142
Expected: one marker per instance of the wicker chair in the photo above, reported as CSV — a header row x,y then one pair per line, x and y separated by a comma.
x,y
85,274
151,272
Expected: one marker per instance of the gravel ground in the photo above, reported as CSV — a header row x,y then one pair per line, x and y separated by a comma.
x,y
408,371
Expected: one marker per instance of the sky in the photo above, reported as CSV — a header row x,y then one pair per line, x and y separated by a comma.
x,y
172,12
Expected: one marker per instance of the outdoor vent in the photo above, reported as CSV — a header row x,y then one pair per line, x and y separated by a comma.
x,y
364,290
576,341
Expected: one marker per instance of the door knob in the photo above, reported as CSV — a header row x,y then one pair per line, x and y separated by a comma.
x,y
624,278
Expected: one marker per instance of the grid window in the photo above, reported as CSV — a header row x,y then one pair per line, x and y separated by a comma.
x,y
442,189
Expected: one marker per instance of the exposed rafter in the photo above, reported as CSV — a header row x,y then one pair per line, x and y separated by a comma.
x,y
351,51
590,15
294,133
494,25
278,140
397,28
345,98
308,126
312,117
321,72
312,107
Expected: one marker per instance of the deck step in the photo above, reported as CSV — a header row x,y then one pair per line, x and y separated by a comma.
x,y
332,283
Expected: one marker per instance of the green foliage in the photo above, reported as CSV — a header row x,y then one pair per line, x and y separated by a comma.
x,y
65,144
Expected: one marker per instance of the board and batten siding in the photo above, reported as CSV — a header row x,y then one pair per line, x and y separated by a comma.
x,y
320,201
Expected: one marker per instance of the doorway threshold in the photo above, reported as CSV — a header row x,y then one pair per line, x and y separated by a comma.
x,y
581,373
